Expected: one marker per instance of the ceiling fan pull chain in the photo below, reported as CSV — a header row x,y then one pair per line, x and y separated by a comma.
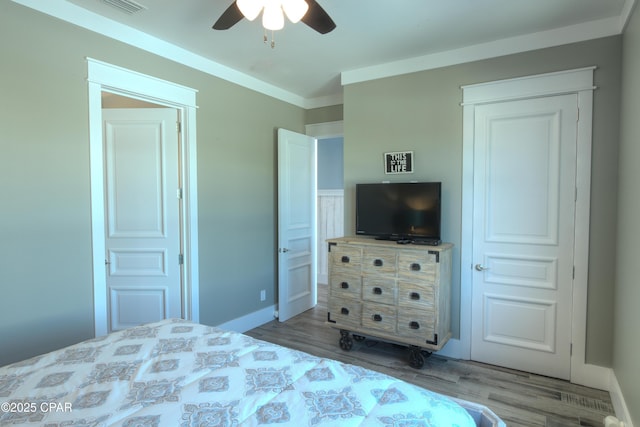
x,y
265,38
273,41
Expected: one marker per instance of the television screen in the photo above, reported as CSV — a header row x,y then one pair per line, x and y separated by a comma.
x,y
399,210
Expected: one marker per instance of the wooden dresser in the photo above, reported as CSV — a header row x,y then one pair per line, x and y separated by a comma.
x,y
397,293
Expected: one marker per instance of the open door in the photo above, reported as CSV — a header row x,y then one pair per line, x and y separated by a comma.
x,y
297,279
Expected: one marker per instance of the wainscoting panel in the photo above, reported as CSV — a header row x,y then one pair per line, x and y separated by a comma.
x,y
330,224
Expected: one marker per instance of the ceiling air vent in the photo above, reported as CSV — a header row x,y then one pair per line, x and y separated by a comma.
x,y
126,6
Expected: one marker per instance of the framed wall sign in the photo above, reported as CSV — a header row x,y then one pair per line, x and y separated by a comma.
x,y
398,162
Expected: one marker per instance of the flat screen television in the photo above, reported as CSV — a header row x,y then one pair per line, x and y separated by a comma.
x,y
399,211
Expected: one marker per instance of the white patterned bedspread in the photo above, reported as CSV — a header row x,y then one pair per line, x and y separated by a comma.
x,y
178,373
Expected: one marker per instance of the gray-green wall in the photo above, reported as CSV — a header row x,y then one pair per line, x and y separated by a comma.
x,y
626,338
332,113
421,112
46,294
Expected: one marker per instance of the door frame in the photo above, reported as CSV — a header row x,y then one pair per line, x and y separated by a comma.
x,y
580,82
104,77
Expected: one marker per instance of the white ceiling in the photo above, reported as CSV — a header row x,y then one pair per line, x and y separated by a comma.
x,y
373,38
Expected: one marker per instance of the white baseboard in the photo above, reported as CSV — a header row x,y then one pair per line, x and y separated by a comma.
x,y
250,321
588,375
455,349
619,404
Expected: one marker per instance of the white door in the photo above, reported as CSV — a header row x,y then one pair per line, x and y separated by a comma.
x,y
296,224
523,234
142,215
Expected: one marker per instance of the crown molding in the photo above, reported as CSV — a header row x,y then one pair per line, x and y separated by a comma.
x,y
627,11
324,101
545,39
83,18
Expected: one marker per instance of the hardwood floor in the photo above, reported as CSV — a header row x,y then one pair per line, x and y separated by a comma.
x,y
519,398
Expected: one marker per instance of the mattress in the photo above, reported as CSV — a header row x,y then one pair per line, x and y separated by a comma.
x,y
179,373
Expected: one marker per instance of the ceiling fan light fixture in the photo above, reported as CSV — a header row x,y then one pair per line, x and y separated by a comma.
x,y
295,9
272,16
250,8
307,11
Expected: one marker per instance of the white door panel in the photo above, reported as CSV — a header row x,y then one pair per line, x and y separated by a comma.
x,y
520,322
296,224
142,216
522,154
524,208
136,305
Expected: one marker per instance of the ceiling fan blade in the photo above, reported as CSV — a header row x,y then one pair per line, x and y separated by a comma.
x,y
317,18
229,18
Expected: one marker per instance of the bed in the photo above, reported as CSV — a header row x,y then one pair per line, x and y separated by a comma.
x,y
180,373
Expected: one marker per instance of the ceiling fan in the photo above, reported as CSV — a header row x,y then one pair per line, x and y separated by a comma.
x,y
315,17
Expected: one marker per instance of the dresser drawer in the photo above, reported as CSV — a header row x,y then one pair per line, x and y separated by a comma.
x,y
345,259
416,295
416,324
381,290
345,286
346,312
418,265
379,262
379,317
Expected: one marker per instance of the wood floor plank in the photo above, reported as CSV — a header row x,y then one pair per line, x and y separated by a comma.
x,y
519,398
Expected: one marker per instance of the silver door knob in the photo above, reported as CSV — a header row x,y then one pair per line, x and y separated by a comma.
x,y
284,250
480,267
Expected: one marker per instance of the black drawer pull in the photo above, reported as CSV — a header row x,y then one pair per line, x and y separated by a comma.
x,y
377,318
344,285
415,267
345,259
414,325
414,296
377,291
344,311
378,263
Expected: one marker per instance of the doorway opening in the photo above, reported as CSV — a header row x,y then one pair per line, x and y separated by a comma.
x,y
330,191
580,83
106,78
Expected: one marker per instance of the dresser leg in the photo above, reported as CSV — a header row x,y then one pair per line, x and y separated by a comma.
x,y
416,359
346,343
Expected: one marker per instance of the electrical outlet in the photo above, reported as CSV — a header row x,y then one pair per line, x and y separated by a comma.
x,y
263,295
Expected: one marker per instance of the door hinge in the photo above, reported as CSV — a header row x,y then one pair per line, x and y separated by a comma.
x,y
179,193
178,127
571,349
574,272
180,259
